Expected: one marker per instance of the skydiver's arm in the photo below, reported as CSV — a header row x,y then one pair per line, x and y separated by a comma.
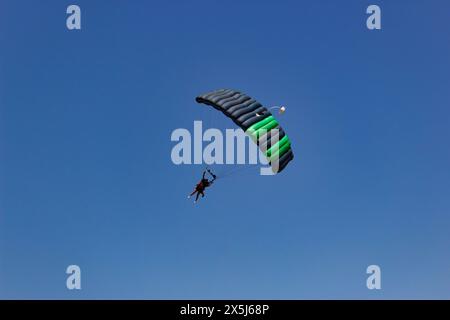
x,y
212,175
204,172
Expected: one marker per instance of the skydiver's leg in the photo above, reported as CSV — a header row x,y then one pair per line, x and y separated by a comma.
x,y
196,198
193,192
202,194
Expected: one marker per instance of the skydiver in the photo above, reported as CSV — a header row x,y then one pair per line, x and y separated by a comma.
x,y
202,185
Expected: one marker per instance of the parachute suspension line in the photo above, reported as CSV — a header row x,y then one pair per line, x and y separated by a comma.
x,y
234,171
209,123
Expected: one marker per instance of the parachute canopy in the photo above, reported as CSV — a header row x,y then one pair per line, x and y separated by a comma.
x,y
256,120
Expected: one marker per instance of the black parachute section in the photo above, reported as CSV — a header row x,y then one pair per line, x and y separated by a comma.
x,y
252,117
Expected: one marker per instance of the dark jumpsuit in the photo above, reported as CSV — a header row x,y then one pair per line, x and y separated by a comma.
x,y
202,185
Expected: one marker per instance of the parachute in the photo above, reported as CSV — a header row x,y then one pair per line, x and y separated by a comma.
x,y
256,121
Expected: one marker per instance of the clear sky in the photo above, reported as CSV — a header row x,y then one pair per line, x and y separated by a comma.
x,y
86,176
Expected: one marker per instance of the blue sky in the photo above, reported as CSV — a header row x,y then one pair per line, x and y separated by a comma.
x,y
87,179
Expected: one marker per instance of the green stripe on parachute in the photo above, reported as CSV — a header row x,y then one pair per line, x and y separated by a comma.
x,y
269,126
265,124
282,150
259,124
277,146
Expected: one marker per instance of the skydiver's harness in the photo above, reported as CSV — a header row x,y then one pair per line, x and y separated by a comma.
x,y
202,185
